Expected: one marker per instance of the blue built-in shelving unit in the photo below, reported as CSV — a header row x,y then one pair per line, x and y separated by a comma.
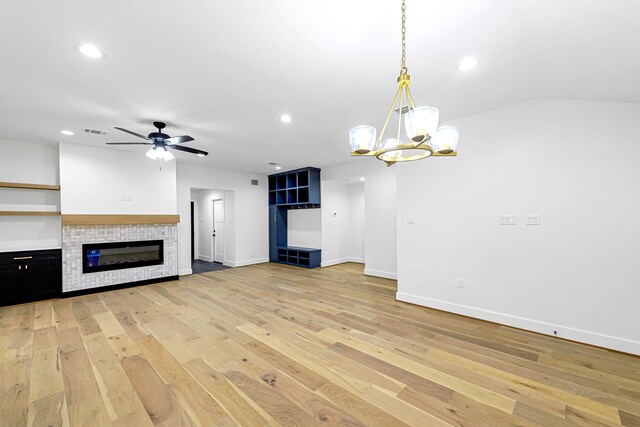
x,y
295,189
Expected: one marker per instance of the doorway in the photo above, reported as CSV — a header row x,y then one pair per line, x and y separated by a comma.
x,y
210,236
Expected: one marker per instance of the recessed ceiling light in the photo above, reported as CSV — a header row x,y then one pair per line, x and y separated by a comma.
x,y
200,155
285,118
362,178
467,64
90,50
67,132
278,167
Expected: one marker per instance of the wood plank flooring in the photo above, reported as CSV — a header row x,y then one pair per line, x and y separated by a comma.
x,y
272,345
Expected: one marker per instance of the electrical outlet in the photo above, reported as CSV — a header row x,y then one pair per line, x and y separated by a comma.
x,y
129,198
411,220
507,219
461,283
123,198
533,219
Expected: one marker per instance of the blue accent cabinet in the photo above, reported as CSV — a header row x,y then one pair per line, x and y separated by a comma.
x,y
295,189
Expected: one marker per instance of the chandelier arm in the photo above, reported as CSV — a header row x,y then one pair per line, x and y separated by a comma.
x,y
386,122
411,97
399,117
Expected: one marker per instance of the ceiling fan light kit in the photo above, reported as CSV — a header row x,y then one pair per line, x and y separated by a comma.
x,y
161,142
426,139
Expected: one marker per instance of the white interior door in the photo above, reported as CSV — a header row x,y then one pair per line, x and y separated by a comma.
x,y
218,231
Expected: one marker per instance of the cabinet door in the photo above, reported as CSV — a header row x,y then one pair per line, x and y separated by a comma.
x,y
273,233
10,284
42,279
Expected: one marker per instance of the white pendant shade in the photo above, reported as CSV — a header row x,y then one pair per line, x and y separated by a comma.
x,y
362,139
168,155
152,154
159,153
445,140
421,123
388,144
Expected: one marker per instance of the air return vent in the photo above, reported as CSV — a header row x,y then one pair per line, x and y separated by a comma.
x,y
95,131
254,182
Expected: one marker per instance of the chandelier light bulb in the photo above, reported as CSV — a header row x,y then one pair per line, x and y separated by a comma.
x,y
421,123
445,141
362,139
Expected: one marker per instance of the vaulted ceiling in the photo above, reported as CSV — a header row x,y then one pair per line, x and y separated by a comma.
x,y
224,71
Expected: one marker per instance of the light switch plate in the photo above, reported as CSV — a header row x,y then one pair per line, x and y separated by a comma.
x,y
506,219
533,219
411,220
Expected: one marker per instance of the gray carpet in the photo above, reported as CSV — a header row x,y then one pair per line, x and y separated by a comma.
x,y
199,266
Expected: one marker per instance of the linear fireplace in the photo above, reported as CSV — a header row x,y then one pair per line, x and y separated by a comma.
x,y
119,255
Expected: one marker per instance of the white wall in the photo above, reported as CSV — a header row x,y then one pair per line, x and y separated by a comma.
x,y
335,223
356,222
304,228
380,208
204,221
33,164
573,162
249,223
94,181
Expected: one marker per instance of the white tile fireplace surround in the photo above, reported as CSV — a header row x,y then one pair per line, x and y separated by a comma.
x,y
74,236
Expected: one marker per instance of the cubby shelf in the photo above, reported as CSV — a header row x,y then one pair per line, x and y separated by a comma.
x,y
303,257
297,188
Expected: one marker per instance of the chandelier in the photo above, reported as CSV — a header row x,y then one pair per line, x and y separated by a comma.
x,y
420,123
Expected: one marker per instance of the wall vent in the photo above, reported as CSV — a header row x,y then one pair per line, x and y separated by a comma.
x,y
254,182
95,131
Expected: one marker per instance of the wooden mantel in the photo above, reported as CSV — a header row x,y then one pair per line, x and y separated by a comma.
x,y
119,219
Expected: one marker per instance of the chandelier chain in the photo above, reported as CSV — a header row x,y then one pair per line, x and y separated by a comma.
x,y
404,43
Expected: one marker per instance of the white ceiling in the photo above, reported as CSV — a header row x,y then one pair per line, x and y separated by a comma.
x,y
224,71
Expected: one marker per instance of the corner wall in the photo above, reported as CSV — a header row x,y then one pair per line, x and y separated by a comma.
x,y
380,227
573,162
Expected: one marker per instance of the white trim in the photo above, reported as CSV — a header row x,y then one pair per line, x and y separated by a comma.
x,y
246,262
341,261
593,338
204,258
383,274
334,262
185,272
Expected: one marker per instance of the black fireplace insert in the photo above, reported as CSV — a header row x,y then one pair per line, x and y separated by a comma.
x,y
119,255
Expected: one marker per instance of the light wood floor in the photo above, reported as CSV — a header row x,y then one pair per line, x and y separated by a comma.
x,y
278,345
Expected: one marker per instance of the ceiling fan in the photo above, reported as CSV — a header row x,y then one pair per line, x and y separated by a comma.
x,y
161,141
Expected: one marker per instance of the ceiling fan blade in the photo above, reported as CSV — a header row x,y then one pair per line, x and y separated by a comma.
x,y
178,139
131,132
188,150
129,143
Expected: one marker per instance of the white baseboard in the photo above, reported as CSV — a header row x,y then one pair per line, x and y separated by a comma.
x,y
334,262
341,261
246,262
383,274
185,272
573,334
204,258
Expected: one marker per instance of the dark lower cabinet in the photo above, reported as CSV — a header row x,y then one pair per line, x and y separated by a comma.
x,y
30,276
